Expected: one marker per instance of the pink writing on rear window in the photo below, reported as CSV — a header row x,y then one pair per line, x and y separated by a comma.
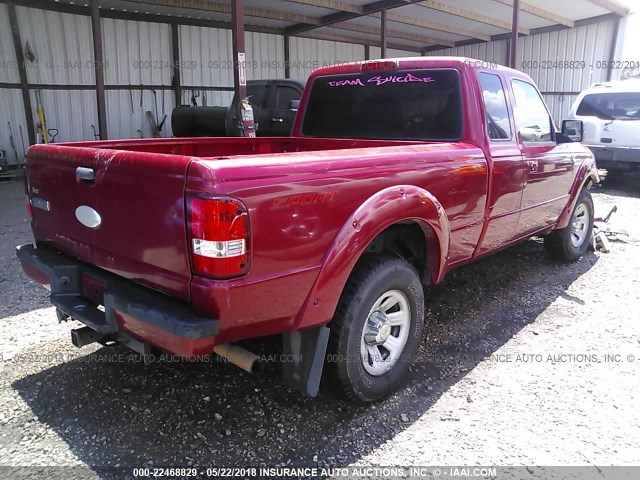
x,y
408,78
343,83
381,80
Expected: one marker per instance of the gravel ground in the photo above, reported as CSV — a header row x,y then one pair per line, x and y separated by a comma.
x,y
513,372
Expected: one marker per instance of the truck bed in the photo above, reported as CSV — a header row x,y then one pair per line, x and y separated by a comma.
x,y
215,147
140,188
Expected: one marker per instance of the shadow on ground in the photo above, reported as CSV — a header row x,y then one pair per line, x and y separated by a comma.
x,y
623,185
18,294
123,412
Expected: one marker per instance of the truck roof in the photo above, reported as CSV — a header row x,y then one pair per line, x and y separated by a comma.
x,y
619,86
418,62
281,81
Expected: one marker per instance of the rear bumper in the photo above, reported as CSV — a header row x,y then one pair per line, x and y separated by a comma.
x,y
616,158
132,313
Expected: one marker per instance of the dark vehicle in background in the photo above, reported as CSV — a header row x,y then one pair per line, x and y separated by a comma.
x,y
274,102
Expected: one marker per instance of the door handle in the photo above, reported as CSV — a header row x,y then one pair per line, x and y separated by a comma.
x,y
533,165
277,120
86,174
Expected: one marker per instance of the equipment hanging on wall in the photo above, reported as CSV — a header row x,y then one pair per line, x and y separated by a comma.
x,y
156,128
43,136
53,134
156,124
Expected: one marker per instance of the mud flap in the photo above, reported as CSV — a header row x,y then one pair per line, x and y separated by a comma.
x,y
305,351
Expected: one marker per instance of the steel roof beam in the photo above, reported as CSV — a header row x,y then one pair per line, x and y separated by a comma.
x,y
540,12
368,9
427,40
224,8
330,4
469,15
314,35
441,27
613,6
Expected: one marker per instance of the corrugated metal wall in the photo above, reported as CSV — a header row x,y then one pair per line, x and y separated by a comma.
x,y
11,109
374,53
127,112
539,56
308,54
588,47
71,112
12,112
136,53
8,66
62,46
495,52
206,60
139,53
265,55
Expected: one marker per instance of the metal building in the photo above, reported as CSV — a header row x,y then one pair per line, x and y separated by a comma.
x,y
160,53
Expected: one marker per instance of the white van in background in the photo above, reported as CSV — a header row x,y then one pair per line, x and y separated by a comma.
x,y
606,118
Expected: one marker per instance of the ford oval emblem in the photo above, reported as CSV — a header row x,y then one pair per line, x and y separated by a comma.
x,y
88,216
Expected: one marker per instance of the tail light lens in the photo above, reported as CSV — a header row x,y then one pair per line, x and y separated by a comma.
x,y
219,237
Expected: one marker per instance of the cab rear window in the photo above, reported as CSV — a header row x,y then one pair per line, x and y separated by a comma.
x,y
395,105
611,106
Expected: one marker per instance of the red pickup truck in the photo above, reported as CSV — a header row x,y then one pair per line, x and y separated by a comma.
x,y
397,171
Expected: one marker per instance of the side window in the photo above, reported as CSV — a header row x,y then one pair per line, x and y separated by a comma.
x,y
495,104
284,95
257,95
531,116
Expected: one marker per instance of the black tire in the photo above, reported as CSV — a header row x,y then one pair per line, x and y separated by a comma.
x,y
373,278
561,245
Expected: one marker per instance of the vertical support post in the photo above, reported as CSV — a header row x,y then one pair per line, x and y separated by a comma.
x,y
98,58
383,33
513,44
22,72
287,56
367,52
612,52
177,80
237,34
507,51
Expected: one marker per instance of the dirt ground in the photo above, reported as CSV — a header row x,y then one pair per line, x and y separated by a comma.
x,y
526,362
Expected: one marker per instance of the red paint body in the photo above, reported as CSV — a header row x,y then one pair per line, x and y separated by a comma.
x,y
314,204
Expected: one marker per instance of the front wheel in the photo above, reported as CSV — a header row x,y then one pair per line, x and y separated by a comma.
x,y
376,330
571,242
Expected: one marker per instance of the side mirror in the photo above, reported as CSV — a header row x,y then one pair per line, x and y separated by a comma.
x,y
294,105
572,129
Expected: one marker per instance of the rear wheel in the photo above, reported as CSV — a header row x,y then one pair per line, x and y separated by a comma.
x,y
572,242
376,330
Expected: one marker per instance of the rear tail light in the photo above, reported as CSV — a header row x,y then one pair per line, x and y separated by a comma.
x,y
219,237
29,208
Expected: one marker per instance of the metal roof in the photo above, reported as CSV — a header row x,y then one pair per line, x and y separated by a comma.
x,y
412,25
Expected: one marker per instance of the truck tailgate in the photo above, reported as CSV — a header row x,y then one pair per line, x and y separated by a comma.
x,y
139,198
